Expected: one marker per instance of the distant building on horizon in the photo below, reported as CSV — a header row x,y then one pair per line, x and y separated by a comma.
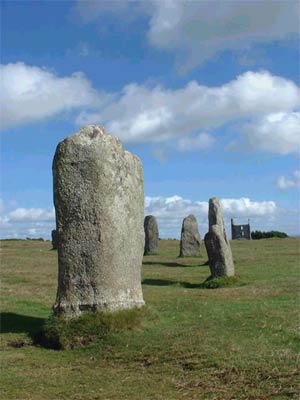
x,y
240,231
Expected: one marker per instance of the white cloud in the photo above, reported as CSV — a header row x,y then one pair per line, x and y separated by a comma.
x,y
199,30
27,222
170,212
284,183
200,142
196,31
31,94
244,207
275,133
177,207
174,207
144,114
31,214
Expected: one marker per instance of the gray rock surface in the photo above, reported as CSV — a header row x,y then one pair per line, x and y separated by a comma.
x,y
54,239
216,243
99,204
190,238
151,235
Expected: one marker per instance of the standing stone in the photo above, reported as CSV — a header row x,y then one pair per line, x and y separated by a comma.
x,y
216,243
54,239
151,235
190,238
99,204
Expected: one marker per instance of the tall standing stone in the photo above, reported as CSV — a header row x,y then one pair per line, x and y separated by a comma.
x,y
54,239
216,243
190,238
151,235
99,204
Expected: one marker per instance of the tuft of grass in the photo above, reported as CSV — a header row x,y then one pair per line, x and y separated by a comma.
x,y
222,282
62,334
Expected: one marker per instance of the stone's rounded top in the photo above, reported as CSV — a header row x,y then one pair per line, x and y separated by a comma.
x,y
149,217
214,200
150,220
91,142
91,136
215,216
91,131
190,217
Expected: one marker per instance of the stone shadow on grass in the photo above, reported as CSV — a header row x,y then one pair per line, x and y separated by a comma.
x,y
165,282
209,283
16,323
170,264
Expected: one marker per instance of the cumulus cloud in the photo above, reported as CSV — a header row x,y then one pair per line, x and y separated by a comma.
x,y
174,207
171,210
31,94
196,31
31,214
177,207
155,114
284,183
275,133
199,30
184,118
245,207
26,222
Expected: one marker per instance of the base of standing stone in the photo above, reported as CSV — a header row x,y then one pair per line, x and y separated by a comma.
x,y
193,255
219,253
71,310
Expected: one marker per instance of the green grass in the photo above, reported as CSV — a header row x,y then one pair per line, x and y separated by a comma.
x,y
238,341
62,334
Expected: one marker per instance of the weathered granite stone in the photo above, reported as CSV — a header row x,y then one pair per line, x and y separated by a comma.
x,y
99,204
216,243
190,238
215,216
54,239
151,235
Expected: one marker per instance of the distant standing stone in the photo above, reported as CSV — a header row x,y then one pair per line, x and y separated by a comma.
x,y
54,239
151,235
190,238
216,243
99,204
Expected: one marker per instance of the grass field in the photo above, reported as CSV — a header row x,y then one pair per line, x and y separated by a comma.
x,y
238,342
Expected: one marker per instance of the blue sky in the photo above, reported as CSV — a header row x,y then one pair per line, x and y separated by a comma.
x,y
205,93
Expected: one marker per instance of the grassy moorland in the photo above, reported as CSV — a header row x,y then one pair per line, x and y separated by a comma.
x,y
238,342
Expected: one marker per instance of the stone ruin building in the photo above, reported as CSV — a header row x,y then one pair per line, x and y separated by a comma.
x,y
240,231
99,206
